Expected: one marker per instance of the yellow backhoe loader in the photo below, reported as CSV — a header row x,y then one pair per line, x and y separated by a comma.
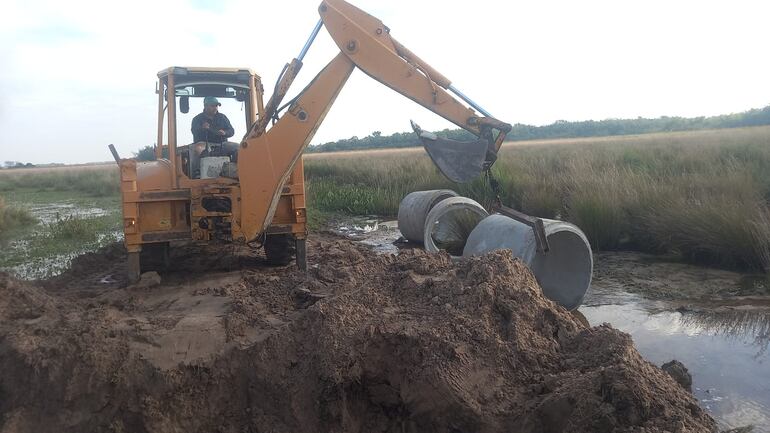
x,y
200,193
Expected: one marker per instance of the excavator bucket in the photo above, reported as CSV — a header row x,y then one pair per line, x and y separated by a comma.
x,y
459,161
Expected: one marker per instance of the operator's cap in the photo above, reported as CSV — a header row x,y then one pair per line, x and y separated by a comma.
x,y
210,100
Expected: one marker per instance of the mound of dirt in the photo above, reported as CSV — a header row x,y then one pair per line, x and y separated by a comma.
x,y
361,343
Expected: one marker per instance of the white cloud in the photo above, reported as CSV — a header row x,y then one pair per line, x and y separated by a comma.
x,y
78,75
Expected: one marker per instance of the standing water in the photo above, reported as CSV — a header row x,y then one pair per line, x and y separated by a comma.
x,y
725,351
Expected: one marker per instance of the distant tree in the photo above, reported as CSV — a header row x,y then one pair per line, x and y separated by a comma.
x,y
17,164
147,153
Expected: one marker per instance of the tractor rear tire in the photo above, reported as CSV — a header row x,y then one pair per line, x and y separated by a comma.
x,y
279,249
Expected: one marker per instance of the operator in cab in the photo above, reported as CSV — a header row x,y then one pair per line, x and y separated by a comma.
x,y
210,130
211,126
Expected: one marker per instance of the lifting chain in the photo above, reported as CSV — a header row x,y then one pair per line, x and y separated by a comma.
x,y
494,184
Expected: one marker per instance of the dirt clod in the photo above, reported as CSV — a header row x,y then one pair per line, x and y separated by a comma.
x,y
148,279
360,343
679,372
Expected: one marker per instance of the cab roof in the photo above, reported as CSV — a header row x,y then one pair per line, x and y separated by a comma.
x,y
190,75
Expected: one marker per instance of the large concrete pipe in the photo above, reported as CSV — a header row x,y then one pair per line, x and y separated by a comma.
x,y
449,224
564,272
415,207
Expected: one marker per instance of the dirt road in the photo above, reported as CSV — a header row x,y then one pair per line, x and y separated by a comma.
x,y
361,343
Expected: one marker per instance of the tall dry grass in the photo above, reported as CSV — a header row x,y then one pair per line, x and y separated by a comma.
x,y
703,194
94,181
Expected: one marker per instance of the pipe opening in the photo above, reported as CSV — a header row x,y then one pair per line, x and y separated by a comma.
x,y
450,223
450,231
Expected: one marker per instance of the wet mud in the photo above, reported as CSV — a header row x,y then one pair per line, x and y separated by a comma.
x,y
662,278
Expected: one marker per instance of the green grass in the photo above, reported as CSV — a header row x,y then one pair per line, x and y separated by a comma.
x,y
71,228
703,195
13,218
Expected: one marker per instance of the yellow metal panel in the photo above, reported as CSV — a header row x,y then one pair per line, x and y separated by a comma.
x,y
155,216
271,157
154,175
165,72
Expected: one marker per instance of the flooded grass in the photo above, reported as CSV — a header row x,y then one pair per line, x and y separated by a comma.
x,y
65,224
47,249
732,323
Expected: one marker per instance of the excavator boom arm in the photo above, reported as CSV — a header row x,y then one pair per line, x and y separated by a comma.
x,y
267,156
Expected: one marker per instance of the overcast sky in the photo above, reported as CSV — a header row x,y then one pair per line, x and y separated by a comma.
x,y
78,75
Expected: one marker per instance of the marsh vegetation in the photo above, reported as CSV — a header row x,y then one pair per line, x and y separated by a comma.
x,y
702,195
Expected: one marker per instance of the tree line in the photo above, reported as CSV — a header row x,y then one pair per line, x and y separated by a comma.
x,y
16,164
563,129
558,129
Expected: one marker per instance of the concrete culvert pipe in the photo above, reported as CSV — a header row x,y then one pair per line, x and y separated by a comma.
x,y
564,272
414,209
449,224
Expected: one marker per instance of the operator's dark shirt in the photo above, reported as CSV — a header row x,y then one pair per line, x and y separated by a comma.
x,y
219,121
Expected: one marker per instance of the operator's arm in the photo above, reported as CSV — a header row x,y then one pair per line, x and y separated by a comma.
x,y
227,127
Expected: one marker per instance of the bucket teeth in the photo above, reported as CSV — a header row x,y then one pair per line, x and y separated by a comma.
x,y
459,161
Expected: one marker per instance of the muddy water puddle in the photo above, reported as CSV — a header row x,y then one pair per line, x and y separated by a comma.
x,y
715,322
381,235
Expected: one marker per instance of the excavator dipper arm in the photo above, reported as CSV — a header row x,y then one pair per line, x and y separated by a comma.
x,y
267,156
